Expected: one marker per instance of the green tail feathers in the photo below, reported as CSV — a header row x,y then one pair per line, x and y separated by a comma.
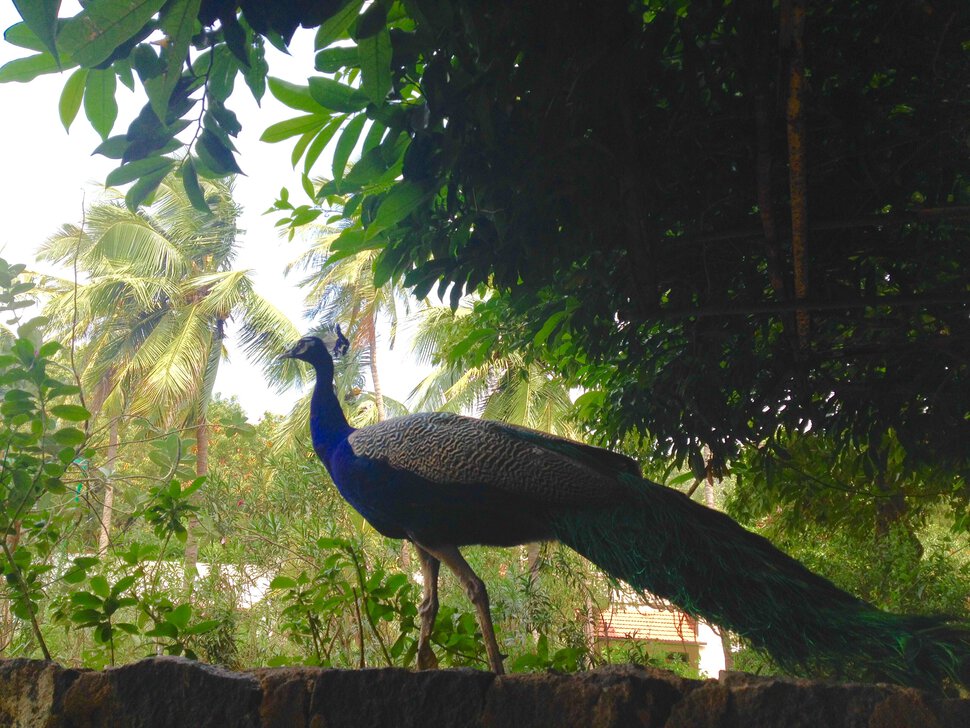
x,y
701,560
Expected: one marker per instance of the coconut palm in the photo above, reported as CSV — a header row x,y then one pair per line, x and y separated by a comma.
x,y
341,290
506,387
152,311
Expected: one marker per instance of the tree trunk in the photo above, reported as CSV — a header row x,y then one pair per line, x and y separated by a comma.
x,y
201,470
104,538
533,553
797,162
375,378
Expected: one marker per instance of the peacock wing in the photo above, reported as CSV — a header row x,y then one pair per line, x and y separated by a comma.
x,y
444,448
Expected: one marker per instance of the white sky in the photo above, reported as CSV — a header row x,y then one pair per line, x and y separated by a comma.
x,y
45,174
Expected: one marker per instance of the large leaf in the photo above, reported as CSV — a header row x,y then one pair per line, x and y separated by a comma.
x,y
190,181
333,59
345,145
41,17
214,153
92,35
173,360
335,27
71,96
134,170
401,201
336,96
295,96
99,100
27,69
294,127
351,242
72,412
375,65
133,241
144,188
320,142
178,24
20,35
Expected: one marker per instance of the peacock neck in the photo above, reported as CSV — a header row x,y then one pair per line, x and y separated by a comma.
x,y
328,424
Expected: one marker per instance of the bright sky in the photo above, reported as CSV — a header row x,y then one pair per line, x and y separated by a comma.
x,y
46,174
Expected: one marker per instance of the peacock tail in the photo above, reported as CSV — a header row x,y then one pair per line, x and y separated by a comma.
x,y
662,542
446,481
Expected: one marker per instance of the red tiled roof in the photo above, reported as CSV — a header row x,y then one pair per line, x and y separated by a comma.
x,y
643,624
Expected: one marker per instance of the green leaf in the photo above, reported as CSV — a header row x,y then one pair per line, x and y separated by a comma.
x,y
336,96
41,17
69,437
180,616
374,136
124,583
255,75
113,147
548,327
351,242
86,600
27,69
334,59
86,616
99,100
178,23
74,576
371,21
136,170
20,35
336,25
92,35
401,201
295,96
300,147
143,188
190,181
70,102
163,629
345,145
72,412
282,582
99,585
293,127
216,155
375,65
206,625
320,142
194,486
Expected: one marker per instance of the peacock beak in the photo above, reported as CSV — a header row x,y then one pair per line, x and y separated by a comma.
x,y
288,354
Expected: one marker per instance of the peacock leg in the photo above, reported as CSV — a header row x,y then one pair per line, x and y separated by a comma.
x,y
428,609
475,588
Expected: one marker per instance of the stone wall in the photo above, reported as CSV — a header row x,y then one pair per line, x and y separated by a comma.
x,y
176,692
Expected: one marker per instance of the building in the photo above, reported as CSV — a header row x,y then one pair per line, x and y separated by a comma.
x,y
666,631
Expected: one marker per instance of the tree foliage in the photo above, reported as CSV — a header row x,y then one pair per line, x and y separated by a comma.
x,y
731,219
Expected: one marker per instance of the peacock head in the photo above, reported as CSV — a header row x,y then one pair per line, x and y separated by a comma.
x,y
315,351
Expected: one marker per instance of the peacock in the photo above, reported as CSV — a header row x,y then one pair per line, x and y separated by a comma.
x,y
444,481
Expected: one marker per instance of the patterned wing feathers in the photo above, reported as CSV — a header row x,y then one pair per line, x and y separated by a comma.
x,y
450,449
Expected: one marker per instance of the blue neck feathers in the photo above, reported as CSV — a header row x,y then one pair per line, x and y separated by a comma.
x,y
328,424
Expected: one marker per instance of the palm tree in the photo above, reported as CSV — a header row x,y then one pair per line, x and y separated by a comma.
x,y
151,315
343,291
505,388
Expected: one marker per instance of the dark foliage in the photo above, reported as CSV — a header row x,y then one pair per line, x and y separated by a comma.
x,y
732,219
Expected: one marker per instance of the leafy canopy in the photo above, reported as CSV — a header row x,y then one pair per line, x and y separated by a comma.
x,y
728,220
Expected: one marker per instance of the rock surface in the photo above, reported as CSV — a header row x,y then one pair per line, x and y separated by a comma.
x,y
168,691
